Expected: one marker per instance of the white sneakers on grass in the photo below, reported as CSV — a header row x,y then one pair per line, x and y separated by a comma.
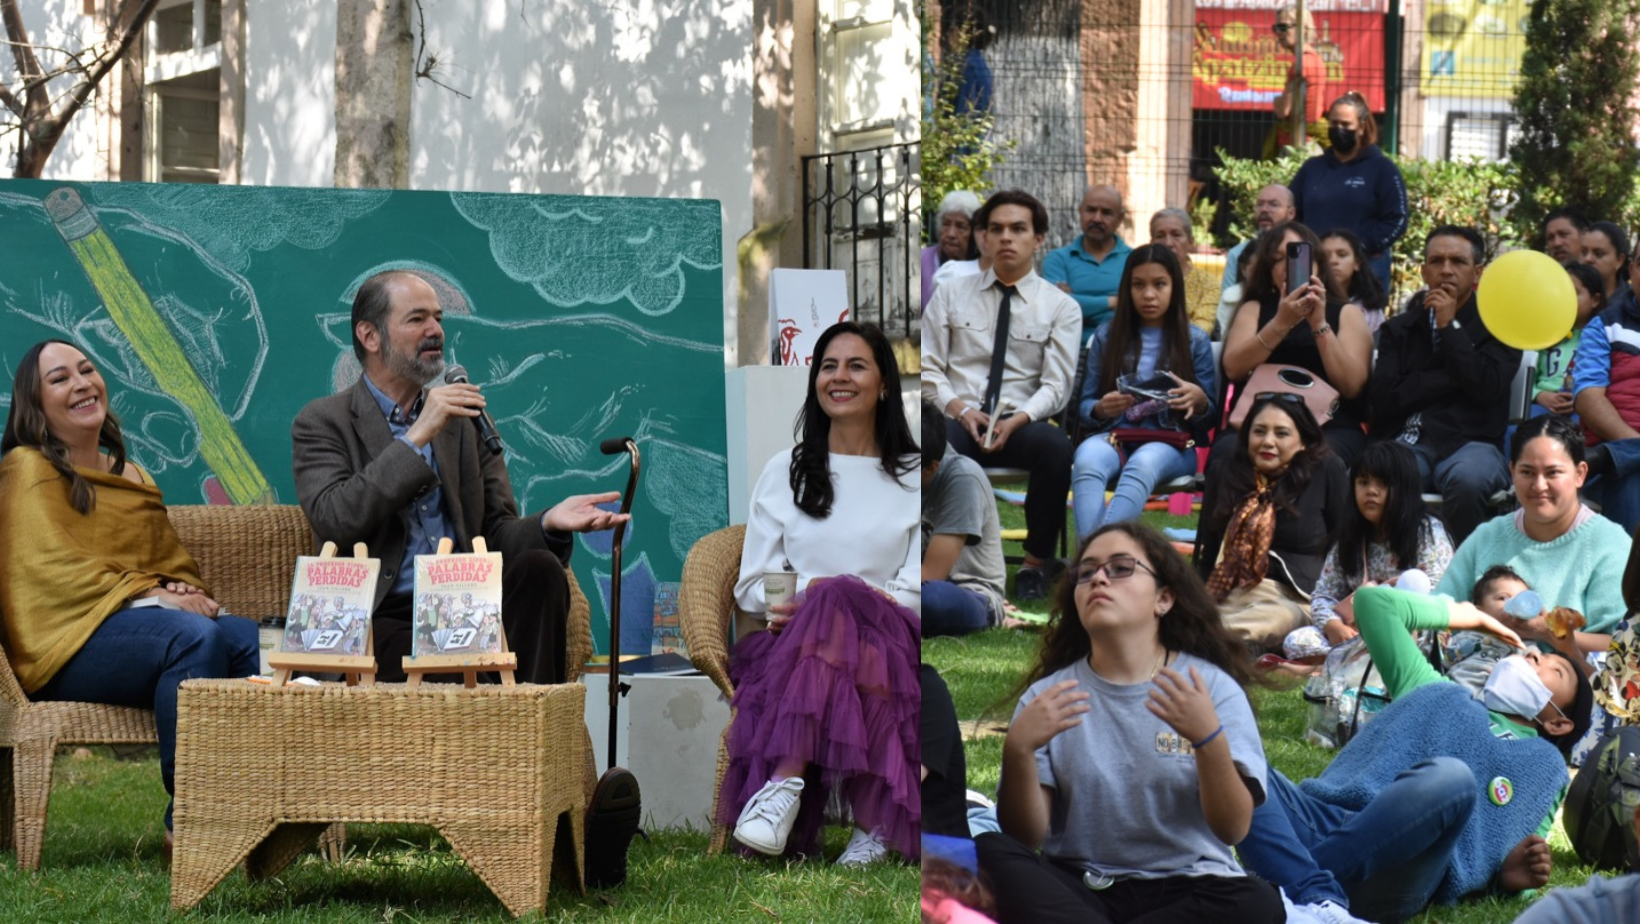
x,y
1330,912
767,819
864,847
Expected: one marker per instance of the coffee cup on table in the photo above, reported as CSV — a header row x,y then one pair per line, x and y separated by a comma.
x,y
778,587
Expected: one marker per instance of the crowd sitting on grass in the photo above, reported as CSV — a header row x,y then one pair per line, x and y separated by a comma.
x,y
1313,522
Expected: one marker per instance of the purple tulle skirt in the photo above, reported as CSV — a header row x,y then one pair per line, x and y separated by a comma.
x,y
839,690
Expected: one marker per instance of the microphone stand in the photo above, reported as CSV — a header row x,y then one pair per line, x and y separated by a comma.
x,y
630,447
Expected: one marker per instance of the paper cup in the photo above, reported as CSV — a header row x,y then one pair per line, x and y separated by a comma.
x,y
778,587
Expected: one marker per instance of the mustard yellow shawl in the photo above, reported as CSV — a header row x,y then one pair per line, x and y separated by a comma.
x,y
63,572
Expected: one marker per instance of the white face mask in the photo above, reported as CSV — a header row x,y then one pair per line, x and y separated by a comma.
x,y
1516,689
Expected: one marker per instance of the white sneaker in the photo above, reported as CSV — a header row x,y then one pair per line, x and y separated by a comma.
x,y
767,819
863,848
1331,912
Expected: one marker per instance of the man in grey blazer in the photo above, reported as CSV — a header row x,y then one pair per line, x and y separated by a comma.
x,y
397,465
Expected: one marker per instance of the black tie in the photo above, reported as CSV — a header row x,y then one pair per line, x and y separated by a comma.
x,y
999,350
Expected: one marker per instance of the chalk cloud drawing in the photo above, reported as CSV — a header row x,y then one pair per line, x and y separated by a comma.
x,y
583,251
259,219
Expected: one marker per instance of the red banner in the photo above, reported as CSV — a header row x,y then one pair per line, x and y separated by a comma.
x,y
1237,63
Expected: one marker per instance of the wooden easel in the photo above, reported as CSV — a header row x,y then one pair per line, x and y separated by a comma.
x,y
357,669
505,662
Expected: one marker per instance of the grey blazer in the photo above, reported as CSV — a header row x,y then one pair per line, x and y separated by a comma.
x,y
355,482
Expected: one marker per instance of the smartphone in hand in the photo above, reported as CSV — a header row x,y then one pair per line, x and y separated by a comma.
x,y
1299,267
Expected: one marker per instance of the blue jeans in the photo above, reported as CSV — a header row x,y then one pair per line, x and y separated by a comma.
x,y
948,609
1097,463
1618,493
138,657
1466,481
1384,861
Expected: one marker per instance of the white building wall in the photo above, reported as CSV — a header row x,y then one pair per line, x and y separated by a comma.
x,y
290,93
638,98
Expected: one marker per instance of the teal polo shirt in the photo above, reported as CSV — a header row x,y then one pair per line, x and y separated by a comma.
x,y
1093,281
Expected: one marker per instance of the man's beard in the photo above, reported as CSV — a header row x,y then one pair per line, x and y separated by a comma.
x,y
411,366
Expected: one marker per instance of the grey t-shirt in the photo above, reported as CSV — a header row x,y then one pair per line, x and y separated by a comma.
x,y
1599,901
1127,802
958,502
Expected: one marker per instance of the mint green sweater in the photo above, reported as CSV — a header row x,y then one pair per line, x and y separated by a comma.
x,y
1582,570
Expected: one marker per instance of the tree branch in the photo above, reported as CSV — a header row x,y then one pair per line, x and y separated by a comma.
x,y
28,66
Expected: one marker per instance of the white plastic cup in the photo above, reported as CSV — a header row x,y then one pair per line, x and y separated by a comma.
x,y
778,587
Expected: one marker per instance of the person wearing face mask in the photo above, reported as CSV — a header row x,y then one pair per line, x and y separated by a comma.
x,y
1413,811
1353,186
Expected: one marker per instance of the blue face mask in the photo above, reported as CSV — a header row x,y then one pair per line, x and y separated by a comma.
x,y
1516,689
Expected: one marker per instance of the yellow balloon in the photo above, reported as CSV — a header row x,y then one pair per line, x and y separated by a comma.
x,y
1526,300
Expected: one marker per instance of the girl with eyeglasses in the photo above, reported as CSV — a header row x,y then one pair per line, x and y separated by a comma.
x,y
1268,521
1133,762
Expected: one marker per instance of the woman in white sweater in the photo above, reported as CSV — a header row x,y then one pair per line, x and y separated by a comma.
x,y
827,698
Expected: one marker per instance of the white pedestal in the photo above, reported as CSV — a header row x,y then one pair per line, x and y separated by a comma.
x,y
667,734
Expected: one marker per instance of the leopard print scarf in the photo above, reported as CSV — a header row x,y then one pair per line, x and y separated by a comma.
x,y
1245,555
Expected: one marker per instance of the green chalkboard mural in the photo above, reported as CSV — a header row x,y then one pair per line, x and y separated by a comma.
x,y
217,312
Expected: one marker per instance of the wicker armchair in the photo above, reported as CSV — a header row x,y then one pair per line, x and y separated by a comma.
x,y
706,608
244,554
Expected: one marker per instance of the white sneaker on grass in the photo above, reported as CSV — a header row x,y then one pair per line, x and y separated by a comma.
x,y
767,819
1331,912
863,848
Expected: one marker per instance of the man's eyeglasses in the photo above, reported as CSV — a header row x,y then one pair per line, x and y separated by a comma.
x,y
1117,569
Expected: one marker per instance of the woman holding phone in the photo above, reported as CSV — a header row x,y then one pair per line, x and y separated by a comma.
x,y
1291,322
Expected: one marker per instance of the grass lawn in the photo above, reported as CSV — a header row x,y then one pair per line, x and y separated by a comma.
x,y
982,668
102,862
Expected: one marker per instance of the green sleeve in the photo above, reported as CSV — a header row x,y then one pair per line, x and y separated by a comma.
x,y
1387,618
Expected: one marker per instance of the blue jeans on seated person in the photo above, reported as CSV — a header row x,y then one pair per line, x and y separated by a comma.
x,y
1384,861
949,609
1618,493
138,657
1098,462
1466,481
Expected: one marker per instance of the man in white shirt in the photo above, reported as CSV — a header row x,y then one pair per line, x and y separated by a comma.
x,y
1020,386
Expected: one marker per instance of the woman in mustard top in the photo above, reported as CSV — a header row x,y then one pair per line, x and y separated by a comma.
x,y
100,601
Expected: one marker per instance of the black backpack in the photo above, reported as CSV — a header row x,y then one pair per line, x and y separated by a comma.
x,y
1599,810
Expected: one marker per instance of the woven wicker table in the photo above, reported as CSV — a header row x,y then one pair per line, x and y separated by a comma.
x,y
260,772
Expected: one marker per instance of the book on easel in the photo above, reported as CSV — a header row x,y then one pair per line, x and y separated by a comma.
x,y
327,627
456,615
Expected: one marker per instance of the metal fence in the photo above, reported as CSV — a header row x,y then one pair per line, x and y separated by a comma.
x,y
861,214
1144,94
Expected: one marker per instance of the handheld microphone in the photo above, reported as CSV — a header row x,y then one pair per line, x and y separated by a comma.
x,y
457,374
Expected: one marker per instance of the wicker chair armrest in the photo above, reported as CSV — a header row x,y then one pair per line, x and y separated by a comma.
x,y
706,601
577,631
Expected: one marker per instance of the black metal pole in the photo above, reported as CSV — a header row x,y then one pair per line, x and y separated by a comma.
x,y
615,604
